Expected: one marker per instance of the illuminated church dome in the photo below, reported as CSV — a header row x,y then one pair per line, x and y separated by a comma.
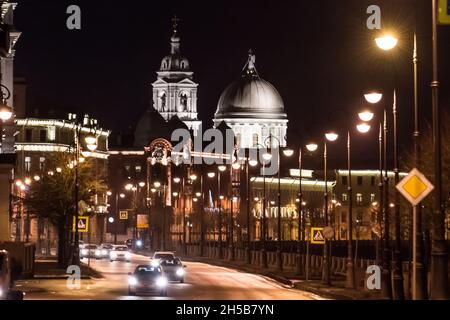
x,y
253,109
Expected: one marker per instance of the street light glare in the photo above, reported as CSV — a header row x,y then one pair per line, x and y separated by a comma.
x,y
386,42
366,116
363,127
122,195
109,193
128,187
373,97
253,163
331,136
222,168
157,184
142,184
193,177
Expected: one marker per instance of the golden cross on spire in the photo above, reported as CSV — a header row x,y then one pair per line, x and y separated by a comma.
x,y
175,21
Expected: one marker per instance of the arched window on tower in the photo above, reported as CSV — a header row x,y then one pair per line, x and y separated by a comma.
x,y
183,102
163,101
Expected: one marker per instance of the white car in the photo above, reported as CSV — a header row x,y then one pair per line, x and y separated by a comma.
x,y
120,253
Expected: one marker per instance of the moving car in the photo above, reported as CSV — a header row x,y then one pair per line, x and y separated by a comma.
x,y
5,274
120,253
162,255
105,249
173,269
149,279
90,251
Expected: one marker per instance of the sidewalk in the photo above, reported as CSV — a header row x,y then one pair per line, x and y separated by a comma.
x,y
336,291
49,269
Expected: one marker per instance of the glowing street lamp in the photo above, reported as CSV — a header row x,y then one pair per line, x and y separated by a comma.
x,y
176,180
27,181
267,156
312,147
236,165
253,163
331,136
193,177
222,168
288,152
141,184
122,195
363,127
211,174
366,116
373,97
157,184
128,187
386,42
37,178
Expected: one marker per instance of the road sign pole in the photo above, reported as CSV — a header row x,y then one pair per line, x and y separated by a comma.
x,y
414,273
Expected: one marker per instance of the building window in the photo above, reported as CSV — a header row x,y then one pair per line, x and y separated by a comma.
x,y
344,180
51,135
360,181
255,139
359,199
344,197
372,181
372,198
28,135
27,164
138,169
127,169
344,216
41,163
43,136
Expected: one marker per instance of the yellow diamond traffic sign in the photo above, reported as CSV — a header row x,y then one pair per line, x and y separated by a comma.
x,y
415,187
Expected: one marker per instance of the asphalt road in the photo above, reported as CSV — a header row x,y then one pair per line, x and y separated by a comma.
x,y
202,282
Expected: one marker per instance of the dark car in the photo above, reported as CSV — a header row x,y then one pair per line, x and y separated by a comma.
x,y
173,269
149,279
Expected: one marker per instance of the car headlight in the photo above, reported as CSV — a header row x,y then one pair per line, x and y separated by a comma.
x,y
132,281
161,282
104,252
154,263
180,272
113,255
84,251
98,252
139,243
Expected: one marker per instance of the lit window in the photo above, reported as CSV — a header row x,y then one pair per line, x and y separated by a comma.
x,y
359,198
344,197
51,134
372,198
27,164
138,169
41,163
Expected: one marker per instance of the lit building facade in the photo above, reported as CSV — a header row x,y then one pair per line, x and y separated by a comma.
x,y
37,141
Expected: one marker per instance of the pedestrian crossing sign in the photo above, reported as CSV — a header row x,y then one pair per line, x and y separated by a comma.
x,y
83,225
123,215
317,236
444,12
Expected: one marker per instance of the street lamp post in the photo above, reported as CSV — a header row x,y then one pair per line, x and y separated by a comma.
x,y
326,279
219,207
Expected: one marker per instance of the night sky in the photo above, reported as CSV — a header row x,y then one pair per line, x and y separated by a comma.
x,y
318,54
